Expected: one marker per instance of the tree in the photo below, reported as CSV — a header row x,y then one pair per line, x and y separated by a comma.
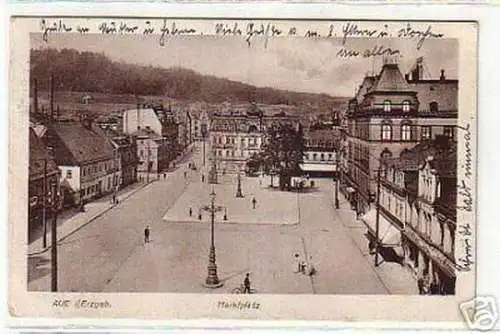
x,y
283,151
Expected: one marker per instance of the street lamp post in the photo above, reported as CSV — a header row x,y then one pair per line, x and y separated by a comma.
x,y
212,281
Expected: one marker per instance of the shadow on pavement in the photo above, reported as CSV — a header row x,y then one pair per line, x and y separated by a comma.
x,y
230,276
38,267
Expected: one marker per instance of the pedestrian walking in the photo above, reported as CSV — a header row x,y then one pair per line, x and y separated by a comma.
x,y
185,174
164,176
246,283
147,231
190,212
254,202
203,178
297,265
420,285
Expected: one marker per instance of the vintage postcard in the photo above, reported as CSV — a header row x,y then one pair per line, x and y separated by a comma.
x,y
165,168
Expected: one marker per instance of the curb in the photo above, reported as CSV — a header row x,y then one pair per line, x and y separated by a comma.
x,y
90,220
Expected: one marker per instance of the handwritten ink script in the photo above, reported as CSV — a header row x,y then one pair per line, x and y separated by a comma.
x,y
251,31
465,202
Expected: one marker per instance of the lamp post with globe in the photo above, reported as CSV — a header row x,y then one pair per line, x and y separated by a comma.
x,y
212,281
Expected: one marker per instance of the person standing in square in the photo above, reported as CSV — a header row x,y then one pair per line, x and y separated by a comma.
x,y
147,231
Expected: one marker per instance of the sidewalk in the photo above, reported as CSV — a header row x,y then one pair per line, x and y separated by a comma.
x,y
69,222
395,277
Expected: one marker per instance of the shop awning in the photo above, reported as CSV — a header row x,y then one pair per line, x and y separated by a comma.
x,y
389,235
311,167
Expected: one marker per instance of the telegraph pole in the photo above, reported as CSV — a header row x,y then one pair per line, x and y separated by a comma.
x,y
377,219
147,168
44,207
337,180
55,200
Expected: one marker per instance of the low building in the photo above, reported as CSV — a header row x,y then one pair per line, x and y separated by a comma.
x,y
320,153
126,149
43,171
86,159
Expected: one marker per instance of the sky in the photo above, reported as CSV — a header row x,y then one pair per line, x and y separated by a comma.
x,y
292,63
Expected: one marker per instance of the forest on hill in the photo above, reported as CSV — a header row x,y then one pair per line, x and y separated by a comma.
x,y
94,72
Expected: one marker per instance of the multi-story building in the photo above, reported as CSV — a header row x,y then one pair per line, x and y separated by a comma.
x,y
320,153
126,149
86,159
43,172
389,113
417,212
160,124
152,152
238,133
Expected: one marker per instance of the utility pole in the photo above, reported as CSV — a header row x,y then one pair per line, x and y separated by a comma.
x,y
55,208
51,95
44,198
377,219
337,180
147,168
35,96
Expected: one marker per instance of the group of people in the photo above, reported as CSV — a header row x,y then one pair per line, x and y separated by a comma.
x,y
304,267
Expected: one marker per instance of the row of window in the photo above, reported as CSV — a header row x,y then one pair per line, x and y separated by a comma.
x,y
232,140
314,156
99,167
405,106
406,132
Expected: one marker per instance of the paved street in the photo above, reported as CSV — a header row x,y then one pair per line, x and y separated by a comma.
x,y
109,254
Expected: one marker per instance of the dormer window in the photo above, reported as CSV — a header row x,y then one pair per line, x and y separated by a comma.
x,y
387,106
406,106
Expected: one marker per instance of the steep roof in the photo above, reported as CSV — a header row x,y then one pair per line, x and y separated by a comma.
x,y
37,153
77,144
391,80
365,87
444,92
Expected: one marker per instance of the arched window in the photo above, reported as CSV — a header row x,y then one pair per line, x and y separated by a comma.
x,y
406,132
314,156
386,131
406,106
322,156
433,106
387,105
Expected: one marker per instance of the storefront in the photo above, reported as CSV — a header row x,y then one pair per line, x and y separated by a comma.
x,y
389,236
429,264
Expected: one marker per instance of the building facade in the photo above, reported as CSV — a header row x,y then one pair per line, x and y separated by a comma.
x,y
43,171
85,157
126,150
151,152
320,156
160,125
236,134
417,213
390,113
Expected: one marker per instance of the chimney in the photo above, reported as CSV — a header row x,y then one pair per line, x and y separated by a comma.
x,y
442,77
